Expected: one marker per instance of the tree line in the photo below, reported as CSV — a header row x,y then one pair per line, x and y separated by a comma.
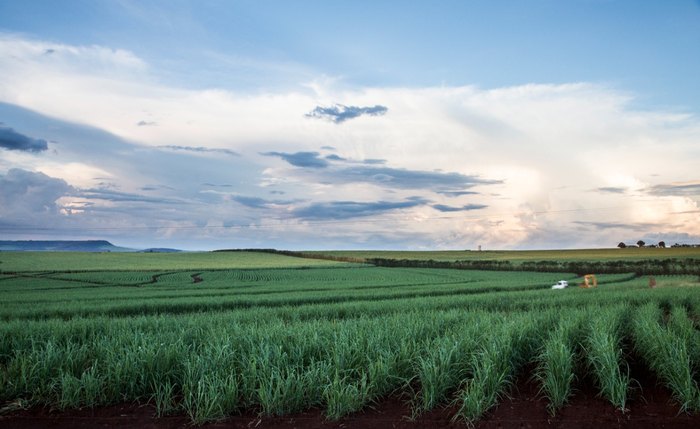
x,y
661,244
642,267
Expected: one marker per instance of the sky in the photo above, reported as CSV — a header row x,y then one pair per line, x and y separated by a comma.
x,y
350,125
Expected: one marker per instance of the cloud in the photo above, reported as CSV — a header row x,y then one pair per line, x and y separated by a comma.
x,y
398,178
201,149
12,140
612,190
352,209
372,161
335,157
146,124
382,176
340,113
453,194
549,146
252,202
258,203
301,159
689,189
468,207
30,197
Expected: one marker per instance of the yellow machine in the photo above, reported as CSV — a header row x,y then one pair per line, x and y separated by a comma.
x,y
589,281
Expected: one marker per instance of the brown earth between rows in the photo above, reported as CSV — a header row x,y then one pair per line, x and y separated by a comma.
x,y
650,406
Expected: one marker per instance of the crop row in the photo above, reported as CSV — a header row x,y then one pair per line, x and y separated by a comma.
x,y
209,368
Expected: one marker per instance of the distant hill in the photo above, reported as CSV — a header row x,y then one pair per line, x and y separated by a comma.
x,y
62,246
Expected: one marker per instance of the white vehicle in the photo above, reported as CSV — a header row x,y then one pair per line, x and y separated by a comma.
x,y
561,284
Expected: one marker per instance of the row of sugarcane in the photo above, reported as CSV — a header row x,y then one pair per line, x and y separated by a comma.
x,y
211,366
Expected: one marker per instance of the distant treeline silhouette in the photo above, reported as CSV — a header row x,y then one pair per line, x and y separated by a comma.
x,y
642,267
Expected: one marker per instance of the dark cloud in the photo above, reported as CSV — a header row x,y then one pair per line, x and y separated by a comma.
x,y
252,202
327,147
341,113
453,194
146,124
213,185
678,190
301,159
12,140
384,176
338,158
612,190
201,149
407,179
49,51
27,197
468,207
259,203
352,209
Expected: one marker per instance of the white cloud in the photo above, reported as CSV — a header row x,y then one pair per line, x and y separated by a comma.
x,y
552,145
75,173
